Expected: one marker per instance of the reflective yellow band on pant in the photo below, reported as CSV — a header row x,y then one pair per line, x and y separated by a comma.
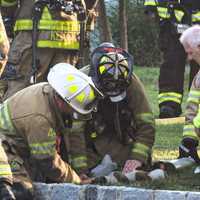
x,y
163,13
79,162
5,118
196,17
194,96
8,3
189,131
169,96
49,25
149,3
5,170
43,148
146,117
142,149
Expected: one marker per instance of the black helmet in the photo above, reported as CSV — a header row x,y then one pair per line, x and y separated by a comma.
x,y
112,69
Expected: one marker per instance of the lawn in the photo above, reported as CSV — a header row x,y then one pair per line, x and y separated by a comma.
x,y
168,138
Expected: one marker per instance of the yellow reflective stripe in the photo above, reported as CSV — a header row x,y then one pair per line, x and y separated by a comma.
x,y
70,77
5,118
196,17
79,161
146,117
53,25
179,14
91,95
46,14
93,135
58,44
150,3
8,3
194,96
163,12
43,148
169,96
141,149
196,120
189,131
5,170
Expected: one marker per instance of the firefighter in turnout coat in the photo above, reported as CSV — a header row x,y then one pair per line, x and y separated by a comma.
x,y
123,125
32,124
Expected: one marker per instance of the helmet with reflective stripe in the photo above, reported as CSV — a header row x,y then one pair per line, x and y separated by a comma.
x,y
76,88
112,70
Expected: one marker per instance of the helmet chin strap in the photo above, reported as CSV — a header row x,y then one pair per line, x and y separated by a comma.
x,y
118,97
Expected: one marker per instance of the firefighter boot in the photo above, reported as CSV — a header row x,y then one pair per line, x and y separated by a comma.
x,y
167,111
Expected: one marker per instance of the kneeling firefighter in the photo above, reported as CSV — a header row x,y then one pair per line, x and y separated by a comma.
x,y
123,126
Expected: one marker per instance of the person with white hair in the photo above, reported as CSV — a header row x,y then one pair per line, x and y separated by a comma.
x,y
190,39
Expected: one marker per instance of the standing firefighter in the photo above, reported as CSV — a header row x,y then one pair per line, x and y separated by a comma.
x,y
32,135
174,16
46,32
123,125
191,131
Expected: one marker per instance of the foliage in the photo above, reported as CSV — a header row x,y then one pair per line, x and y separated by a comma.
x,y
142,33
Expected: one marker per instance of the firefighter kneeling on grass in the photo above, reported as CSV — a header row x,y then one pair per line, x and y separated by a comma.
x,y
31,125
123,128
190,40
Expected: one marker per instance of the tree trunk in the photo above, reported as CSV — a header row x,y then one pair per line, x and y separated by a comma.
x,y
123,24
104,27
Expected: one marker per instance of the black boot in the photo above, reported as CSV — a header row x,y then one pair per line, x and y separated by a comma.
x,y
167,111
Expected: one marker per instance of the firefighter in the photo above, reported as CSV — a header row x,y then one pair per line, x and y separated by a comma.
x,y
46,32
173,17
123,126
191,131
32,125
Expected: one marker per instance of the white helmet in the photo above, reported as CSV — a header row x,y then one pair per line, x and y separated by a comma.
x,y
76,88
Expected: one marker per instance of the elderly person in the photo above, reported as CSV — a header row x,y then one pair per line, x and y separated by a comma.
x,y
190,40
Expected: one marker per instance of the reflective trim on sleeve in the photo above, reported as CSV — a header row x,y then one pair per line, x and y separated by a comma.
x,y
5,170
189,131
194,96
79,162
146,117
43,148
169,96
5,118
141,149
196,120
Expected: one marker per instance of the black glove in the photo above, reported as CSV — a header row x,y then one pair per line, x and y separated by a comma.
x,y
188,148
6,192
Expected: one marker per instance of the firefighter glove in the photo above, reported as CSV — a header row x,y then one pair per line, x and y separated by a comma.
x,y
188,148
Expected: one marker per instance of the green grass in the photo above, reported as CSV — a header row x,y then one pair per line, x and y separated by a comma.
x,y
167,139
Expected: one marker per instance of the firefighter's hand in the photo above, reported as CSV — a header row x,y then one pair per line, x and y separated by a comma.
x,y
85,179
6,191
188,148
131,165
